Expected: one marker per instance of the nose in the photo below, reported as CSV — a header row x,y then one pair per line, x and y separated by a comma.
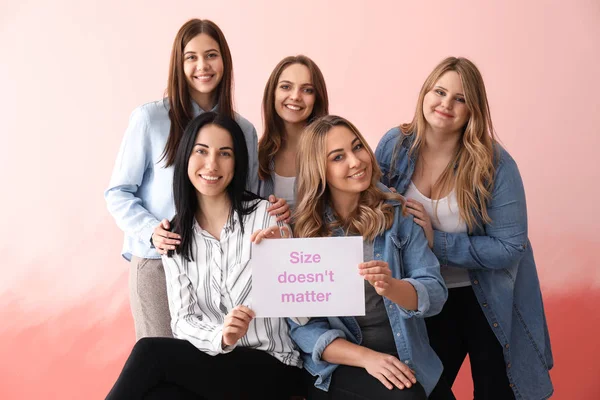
x,y
211,162
201,65
296,94
447,102
353,161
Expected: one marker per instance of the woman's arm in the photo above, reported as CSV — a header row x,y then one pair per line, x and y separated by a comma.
x,y
505,239
128,173
187,319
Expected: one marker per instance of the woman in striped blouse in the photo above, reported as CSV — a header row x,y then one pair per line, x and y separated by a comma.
x,y
220,350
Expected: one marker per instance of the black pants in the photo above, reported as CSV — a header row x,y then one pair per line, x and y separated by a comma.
x,y
166,368
352,383
460,329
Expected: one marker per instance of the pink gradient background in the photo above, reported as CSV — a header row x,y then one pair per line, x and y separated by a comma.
x,y
71,73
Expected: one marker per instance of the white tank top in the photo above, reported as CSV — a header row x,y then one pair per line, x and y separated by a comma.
x,y
446,218
283,188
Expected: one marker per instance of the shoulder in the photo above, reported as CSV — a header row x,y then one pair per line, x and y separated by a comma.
x,y
155,111
387,146
391,136
246,125
506,166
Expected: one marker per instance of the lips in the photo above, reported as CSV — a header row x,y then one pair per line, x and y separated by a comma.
x,y
203,78
293,107
443,114
359,175
210,178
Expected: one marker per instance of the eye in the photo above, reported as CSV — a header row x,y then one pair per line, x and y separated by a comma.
x,y
337,158
201,151
212,55
225,154
440,92
358,147
284,86
190,57
461,100
309,90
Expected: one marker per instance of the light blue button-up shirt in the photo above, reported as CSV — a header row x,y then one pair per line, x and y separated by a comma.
x,y
140,193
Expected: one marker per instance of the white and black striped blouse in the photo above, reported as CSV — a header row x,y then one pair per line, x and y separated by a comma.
x,y
203,291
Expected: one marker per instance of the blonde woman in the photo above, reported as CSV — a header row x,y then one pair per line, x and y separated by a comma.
x,y
385,354
466,192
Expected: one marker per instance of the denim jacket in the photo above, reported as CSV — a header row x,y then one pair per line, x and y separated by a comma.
x,y
140,192
405,249
501,267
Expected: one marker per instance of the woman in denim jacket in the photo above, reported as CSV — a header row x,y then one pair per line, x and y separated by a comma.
x,y
385,354
466,192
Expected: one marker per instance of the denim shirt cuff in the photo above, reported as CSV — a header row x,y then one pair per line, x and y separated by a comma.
x,y
422,300
440,247
325,340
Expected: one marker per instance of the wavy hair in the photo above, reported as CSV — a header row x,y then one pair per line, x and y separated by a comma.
x,y
372,216
184,192
471,172
273,136
178,94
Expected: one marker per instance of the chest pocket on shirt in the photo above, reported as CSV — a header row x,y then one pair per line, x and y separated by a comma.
x,y
398,267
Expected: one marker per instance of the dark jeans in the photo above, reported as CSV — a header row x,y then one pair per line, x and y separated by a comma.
x,y
167,368
352,383
460,329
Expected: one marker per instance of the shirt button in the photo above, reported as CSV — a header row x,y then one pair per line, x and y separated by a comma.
x,y
377,255
475,282
511,385
398,334
391,306
495,324
407,362
484,304
508,365
507,345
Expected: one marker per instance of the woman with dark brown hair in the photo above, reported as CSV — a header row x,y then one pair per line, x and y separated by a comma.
x,y
139,195
294,96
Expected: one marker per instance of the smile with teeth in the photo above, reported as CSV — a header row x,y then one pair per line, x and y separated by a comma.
x,y
210,178
358,174
203,78
293,107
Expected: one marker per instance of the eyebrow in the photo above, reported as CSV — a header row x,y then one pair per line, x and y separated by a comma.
x,y
193,52
220,148
303,84
340,150
441,87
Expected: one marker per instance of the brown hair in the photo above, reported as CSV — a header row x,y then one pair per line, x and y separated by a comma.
x,y
471,171
372,216
178,94
273,138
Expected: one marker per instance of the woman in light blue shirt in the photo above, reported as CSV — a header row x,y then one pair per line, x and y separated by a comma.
x,y
139,195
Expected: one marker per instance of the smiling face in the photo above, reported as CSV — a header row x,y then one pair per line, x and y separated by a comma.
x,y
444,105
203,66
211,164
295,94
349,165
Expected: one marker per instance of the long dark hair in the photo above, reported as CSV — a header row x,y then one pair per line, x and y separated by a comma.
x,y
178,93
273,136
184,193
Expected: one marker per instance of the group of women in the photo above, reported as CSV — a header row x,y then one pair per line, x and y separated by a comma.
x,y
448,267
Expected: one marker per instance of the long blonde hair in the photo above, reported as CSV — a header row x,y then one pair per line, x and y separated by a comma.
x,y
472,169
372,216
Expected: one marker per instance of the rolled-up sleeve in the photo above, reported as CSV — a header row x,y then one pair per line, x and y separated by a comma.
x,y
314,337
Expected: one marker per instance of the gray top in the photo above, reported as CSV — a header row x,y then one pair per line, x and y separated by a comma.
x,y
375,325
